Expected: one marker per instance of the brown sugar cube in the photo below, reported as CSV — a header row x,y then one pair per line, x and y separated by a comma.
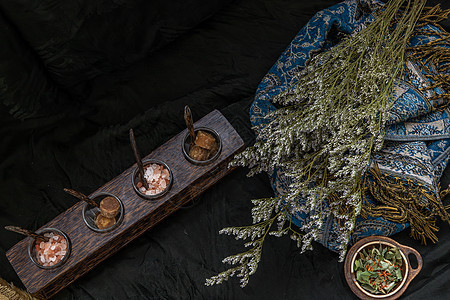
x,y
109,207
205,140
103,222
198,153
213,150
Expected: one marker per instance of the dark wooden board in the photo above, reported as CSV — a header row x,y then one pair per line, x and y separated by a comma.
x,y
90,248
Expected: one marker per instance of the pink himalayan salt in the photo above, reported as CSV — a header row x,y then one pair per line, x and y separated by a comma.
x,y
158,178
52,252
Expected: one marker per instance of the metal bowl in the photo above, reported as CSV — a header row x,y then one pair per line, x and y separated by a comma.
x,y
185,146
90,212
134,179
32,250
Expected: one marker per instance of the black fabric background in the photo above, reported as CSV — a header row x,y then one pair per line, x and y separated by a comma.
x,y
24,84
79,40
83,144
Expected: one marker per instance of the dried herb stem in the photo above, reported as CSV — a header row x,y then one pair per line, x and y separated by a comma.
x,y
331,121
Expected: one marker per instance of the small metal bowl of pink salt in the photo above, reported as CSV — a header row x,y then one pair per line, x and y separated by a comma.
x,y
50,254
158,176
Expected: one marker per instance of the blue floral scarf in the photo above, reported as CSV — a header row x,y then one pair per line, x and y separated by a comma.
x,y
402,181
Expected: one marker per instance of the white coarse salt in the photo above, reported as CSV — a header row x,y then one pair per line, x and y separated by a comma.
x,y
47,253
157,177
148,173
163,184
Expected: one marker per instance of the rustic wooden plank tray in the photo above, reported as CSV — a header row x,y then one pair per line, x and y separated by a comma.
x,y
89,248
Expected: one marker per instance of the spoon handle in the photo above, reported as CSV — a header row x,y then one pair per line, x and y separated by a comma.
x,y
27,233
189,123
81,197
138,160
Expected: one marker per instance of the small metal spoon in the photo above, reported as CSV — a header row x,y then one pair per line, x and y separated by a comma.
x,y
82,197
189,123
138,160
27,233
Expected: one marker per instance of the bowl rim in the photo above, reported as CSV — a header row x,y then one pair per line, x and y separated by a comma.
x,y
156,196
209,160
118,221
63,260
378,242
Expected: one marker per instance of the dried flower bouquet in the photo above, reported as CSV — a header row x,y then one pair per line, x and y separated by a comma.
x,y
331,121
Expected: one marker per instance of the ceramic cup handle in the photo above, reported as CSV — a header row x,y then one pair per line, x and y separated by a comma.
x,y
408,250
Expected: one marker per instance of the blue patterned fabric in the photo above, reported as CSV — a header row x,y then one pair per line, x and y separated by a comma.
x,y
417,140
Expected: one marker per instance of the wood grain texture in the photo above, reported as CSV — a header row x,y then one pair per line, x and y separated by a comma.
x,y
90,248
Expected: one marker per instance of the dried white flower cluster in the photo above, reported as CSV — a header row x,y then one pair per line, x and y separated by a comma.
x,y
322,138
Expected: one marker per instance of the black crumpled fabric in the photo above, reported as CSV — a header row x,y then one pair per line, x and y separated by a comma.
x,y
84,144
80,39
24,83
